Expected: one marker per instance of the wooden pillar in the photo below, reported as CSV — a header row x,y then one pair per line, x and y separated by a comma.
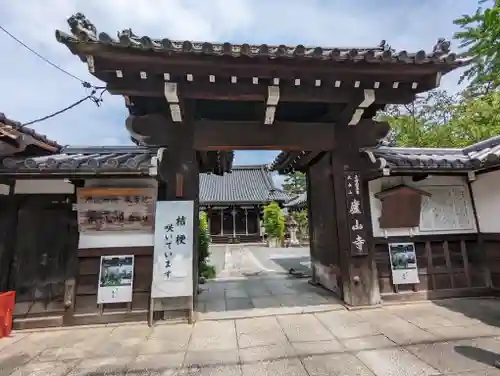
x,y
178,169
222,221
354,230
8,220
209,220
246,221
233,213
310,220
322,226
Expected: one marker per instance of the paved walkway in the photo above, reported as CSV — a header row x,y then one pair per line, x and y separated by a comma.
x,y
455,337
262,296
254,282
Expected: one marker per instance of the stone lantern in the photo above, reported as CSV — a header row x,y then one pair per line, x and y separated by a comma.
x,y
292,228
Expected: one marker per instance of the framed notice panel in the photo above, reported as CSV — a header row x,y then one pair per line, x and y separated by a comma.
x,y
173,250
116,278
115,209
403,263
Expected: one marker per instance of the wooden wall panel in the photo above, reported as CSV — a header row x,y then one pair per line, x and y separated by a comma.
x,y
88,275
444,263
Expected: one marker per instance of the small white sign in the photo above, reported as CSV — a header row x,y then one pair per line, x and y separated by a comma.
x,y
403,263
173,250
116,278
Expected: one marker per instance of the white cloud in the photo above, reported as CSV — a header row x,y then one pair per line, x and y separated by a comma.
x,y
32,88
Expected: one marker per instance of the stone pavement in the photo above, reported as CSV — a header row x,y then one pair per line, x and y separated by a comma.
x,y
454,337
262,296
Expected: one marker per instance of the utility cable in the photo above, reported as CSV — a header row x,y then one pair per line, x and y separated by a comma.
x,y
96,99
83,82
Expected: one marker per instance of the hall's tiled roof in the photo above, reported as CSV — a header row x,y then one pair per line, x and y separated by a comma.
x,y
13,132
83,31
245,184
85,160
299,201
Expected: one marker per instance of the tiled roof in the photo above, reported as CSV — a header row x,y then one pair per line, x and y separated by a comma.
x,y
91,160
245,184
84,31
24,136
478,156
481,155
300,200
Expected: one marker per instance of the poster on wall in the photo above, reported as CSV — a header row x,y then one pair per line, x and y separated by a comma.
x,y
116,278
403,263
173,250
115,209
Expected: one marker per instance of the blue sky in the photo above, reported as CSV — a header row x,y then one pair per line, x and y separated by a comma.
x,y
31,88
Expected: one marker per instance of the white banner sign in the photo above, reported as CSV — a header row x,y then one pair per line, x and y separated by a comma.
x,y
116,278
173,250
403,263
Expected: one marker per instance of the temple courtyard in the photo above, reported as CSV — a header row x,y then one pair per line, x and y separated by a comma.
x,y
254,319
452,337
254,281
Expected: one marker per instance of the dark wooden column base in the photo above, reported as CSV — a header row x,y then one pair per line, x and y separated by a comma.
x,y
357,267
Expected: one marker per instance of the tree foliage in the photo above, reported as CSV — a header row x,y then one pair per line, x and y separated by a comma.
x,y
295,183
203,243
302,220
274,221
480,35
440,120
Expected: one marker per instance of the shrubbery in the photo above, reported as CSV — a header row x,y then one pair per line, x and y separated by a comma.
x,y
204,269
274,221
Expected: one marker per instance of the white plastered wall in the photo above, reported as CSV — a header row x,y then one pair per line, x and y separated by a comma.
x,y
378,185
486,192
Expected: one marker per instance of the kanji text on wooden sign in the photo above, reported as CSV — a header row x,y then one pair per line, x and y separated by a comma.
x,y
355,214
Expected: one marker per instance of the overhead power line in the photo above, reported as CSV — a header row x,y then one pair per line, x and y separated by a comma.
x,y
97,99
93,96
85,84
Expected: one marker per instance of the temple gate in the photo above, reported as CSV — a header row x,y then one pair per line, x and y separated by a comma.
x,y
199,101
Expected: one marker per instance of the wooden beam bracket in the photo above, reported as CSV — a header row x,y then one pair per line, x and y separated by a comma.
x,y
368,100
172,98
273,97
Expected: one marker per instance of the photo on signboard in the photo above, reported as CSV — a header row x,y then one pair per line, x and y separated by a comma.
x,y
116,271
403,256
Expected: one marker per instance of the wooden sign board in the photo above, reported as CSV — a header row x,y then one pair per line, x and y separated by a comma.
x,y
173,250
115,209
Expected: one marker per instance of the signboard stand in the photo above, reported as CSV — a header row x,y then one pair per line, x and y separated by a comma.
x,y
403,261
116,277
172,282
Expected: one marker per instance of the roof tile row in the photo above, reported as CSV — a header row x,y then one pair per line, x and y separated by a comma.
x,y
84,159
480,155
6,123
84,31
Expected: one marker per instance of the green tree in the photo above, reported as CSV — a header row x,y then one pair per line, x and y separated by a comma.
x,y
295,183
456,122
302,220
204,269
274,221
480,35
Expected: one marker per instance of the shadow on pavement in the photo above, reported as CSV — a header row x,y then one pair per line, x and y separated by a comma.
x,y
486,310
479,355
301,264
